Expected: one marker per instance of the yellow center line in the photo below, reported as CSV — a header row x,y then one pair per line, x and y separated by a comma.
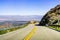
x,y
30,34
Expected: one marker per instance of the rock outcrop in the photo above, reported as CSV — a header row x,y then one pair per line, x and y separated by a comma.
x,y
51,17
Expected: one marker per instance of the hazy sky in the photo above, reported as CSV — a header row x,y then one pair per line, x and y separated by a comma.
x,y
26,7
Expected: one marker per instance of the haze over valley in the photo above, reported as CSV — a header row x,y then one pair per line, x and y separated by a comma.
x,y
20,18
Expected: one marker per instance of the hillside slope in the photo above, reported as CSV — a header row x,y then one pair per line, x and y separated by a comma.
x,y
51,17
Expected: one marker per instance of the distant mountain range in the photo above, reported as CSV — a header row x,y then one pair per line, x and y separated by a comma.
x,y
20,18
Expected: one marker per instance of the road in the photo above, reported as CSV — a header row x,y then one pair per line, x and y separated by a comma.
x,y
44,33
18,34
41,33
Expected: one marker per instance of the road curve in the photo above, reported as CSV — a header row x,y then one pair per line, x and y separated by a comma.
x,y
41,33
18,34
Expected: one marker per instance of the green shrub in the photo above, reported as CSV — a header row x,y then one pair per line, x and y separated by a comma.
x,y
3,31
12,29
55,28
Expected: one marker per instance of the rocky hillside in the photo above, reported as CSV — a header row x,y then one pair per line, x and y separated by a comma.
x,y
51,17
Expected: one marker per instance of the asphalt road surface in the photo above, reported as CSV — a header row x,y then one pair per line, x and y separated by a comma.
x,y
41,33
18,34
44,33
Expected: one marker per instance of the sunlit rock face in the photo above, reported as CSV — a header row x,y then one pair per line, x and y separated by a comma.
x,y
51,17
